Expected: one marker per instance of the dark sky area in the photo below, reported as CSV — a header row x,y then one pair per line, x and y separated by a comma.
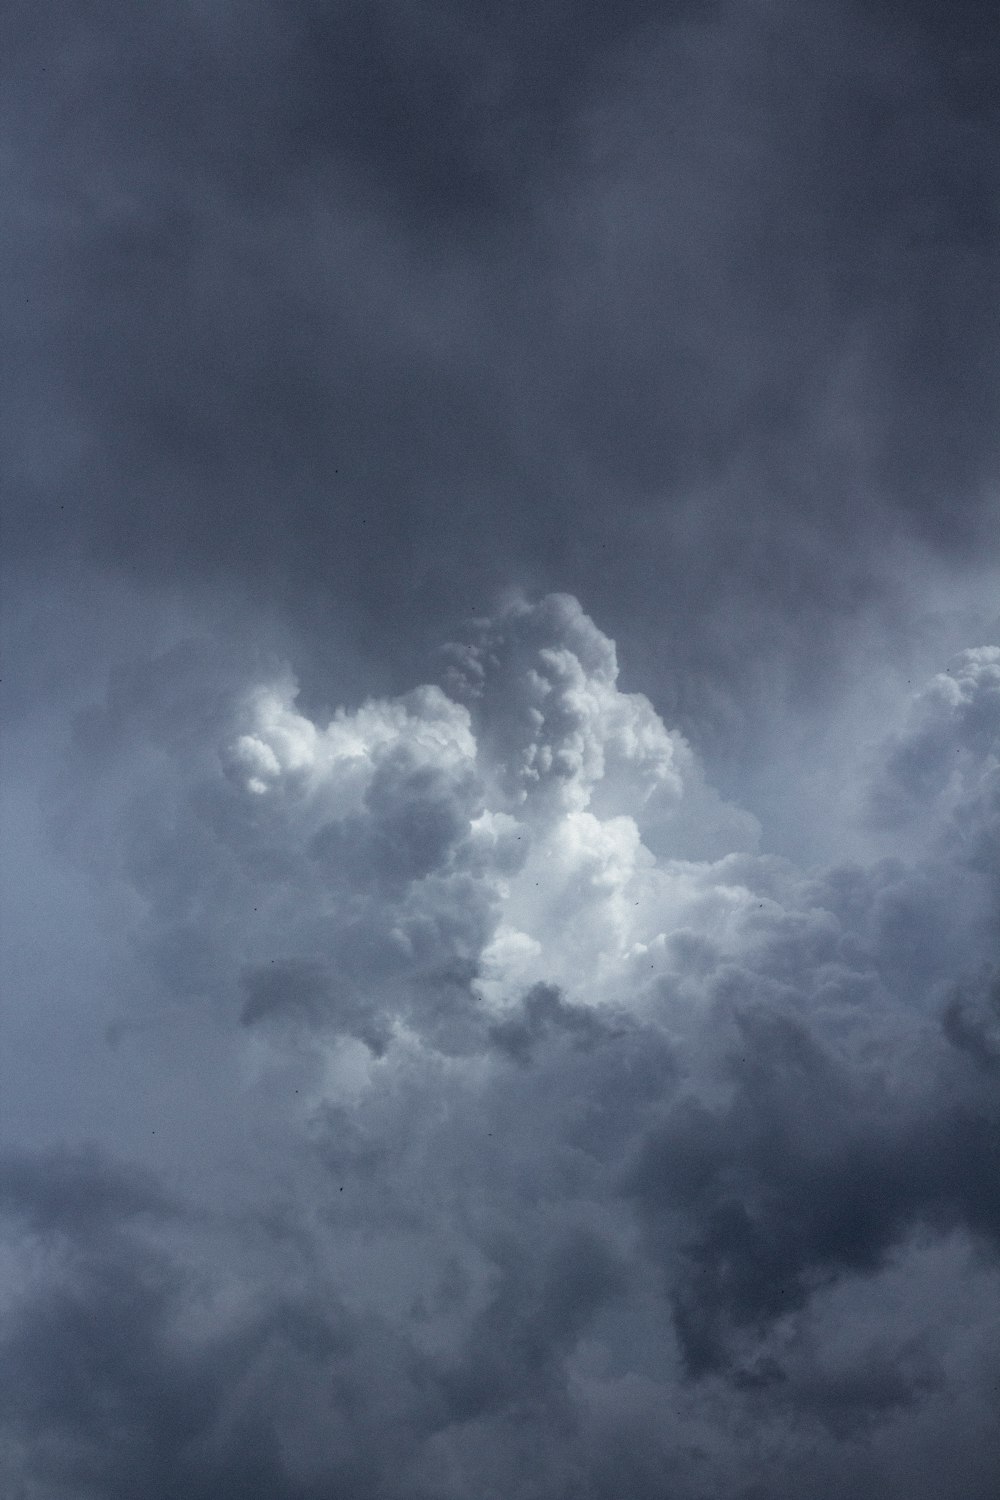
x,y
501,750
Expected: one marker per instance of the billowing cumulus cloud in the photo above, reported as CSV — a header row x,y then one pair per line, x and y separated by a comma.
x,y
583,1159
501,818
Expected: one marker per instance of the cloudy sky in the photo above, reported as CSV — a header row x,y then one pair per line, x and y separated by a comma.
x,y
501,751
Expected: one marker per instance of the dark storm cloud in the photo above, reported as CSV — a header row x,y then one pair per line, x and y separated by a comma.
x,y
534,1317
808,1174
475,1108
114,1396
544,1013
75,1192
972,1020
375,309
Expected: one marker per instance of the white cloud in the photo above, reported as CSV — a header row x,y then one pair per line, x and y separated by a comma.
x,y
505,833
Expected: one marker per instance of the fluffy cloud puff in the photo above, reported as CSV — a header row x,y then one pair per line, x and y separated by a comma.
x,y
499,832
586,1161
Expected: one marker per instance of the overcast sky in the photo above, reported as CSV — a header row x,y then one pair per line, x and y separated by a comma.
x,y
501,750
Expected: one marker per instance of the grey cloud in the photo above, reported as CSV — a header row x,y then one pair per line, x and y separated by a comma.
x,y
808,1174
413,820
759,1097
857,1397
953,738
290,986
972,1020
534,1316
304,992
481,1075
114,1402
544,1013
371,313
74,1192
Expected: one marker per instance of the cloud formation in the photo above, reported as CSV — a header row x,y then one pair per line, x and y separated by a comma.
x,y
580,1160
549,1081
367,313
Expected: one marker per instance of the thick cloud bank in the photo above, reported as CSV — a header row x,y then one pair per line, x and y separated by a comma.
x,y
527,1132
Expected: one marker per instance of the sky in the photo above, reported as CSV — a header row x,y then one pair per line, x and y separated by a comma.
x,y
500,924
